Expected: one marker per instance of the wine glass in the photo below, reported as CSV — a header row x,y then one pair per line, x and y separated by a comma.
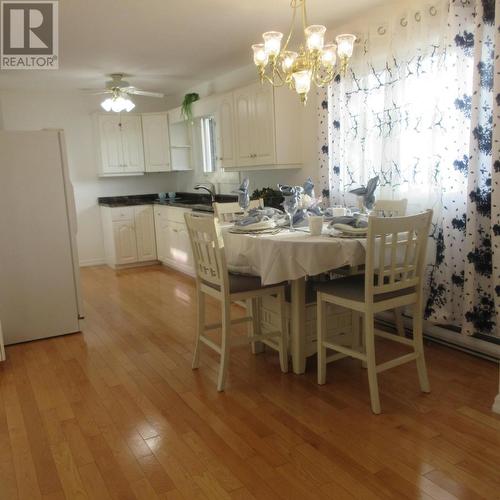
x,y
290,204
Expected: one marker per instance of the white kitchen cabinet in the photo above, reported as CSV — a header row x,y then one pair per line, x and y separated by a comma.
x,y
124,242
156,142
224,126
268,125
129,235
145,233
181,141
172,239
121,146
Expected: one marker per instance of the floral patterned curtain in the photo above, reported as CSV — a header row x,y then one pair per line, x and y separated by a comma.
x,y
420,108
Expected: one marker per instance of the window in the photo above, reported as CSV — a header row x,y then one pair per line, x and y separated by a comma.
x,y
208,144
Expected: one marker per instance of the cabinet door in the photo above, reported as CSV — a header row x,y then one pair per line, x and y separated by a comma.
x,y
160,228
156,142
111,144
225,132
184,244
132,145
243,99
125,242
145,233
263,125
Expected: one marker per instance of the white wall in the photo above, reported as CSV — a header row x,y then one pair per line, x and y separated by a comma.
x,y
71,111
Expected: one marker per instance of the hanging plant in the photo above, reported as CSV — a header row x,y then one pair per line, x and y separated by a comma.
x,y
186,109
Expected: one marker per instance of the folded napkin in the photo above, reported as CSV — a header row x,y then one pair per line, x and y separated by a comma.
x,y
309,187
243,194
256,215
349,220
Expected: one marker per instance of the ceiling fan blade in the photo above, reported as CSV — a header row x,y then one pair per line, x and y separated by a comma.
x,y
96,92
145,93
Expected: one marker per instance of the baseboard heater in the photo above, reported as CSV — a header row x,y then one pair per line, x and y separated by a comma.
x,y
445,336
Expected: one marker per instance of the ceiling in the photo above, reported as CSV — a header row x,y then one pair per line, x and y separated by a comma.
x,y
165,45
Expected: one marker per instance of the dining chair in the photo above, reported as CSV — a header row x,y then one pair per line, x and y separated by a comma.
x,y
225,212
213,279
394,275
391,208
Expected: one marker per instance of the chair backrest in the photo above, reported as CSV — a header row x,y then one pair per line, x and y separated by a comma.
x,y
395,253
390,208
208,250
226,212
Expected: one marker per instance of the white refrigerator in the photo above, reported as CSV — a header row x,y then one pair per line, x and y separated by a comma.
x,y
39,272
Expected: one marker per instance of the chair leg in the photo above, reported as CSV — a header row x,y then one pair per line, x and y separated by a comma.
x,y
362,322
284,333
371,362
200,298
254,326
398,319
225,341
418,344
321,331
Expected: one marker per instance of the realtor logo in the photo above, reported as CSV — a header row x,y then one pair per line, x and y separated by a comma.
x,y
29,34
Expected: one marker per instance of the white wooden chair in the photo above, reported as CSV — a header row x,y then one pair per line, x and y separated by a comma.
x,y
212,278
393,208
226,212
390,208
394,273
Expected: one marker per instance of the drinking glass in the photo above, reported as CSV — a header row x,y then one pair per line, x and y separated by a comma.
x,y
291,206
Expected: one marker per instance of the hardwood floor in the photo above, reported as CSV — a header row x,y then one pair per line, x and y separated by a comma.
x,y
116,412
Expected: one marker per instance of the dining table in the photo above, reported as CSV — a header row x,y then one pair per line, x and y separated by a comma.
x,y
285,255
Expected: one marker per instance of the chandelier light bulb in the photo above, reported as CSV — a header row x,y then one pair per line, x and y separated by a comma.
x,y
302,81
260,56
345,45
315,36
329,55
272,42
289,58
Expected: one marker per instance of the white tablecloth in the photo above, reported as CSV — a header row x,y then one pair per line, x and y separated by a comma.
x,y
290,255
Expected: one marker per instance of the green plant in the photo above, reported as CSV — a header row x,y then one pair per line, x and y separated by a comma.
x,y
272,197
186,109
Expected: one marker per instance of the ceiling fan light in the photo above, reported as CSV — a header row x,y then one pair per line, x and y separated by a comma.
x,y
107,104
272,42
129,105
315,36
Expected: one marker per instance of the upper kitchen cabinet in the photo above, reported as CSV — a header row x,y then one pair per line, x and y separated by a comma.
x,y
224,127
120,144
156,142
267,125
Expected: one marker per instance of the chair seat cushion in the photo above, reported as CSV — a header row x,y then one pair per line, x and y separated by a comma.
x,y
239,283
353,288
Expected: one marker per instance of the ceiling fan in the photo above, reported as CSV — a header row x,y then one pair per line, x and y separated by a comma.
x,y
120,92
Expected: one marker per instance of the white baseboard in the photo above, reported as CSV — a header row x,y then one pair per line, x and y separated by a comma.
x,y
92,262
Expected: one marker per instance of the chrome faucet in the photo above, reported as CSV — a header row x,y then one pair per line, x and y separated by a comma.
x,y
209,187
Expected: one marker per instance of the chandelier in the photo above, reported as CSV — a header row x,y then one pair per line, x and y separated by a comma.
x,y
118,102
314,62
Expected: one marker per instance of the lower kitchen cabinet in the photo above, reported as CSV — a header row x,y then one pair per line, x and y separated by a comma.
x,y
129,235
172,238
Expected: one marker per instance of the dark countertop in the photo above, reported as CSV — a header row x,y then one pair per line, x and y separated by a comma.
x,y
193,201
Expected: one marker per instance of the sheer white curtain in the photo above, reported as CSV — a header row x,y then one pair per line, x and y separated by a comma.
x,y
412,111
